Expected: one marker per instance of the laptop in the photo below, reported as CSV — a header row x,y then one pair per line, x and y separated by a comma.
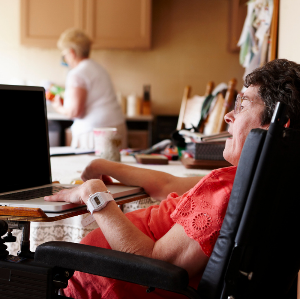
x,y
25,176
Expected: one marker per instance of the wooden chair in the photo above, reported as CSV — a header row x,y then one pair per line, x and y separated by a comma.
x,y
187,103
209,120
214,123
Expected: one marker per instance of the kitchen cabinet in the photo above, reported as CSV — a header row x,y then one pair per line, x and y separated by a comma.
x,y
112,24
42,21
139,131
119,24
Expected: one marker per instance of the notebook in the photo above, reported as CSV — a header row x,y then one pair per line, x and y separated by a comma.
x,y
68,150
24,152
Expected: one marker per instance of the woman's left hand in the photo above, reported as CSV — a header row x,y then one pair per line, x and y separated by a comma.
x,y
80,194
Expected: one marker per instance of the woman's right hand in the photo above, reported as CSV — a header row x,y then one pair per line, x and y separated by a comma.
x,y
57,102
95,170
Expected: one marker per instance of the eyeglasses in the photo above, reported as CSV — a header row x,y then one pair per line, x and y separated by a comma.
x,y
63,60
238,107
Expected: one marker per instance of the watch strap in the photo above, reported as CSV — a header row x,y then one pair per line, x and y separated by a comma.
x,y
89,206
105,198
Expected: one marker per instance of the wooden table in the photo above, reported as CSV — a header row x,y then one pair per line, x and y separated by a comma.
x,y
38,215
67,226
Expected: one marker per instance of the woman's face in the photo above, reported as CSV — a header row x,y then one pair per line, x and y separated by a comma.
x,y
242,123
69,57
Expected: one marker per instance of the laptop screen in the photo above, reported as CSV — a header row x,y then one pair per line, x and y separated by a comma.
x,y
24,147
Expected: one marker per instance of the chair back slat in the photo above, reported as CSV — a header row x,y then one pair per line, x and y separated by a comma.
x,y
209,88
185,97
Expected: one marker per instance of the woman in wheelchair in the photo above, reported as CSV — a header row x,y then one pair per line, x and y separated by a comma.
x,y
183,229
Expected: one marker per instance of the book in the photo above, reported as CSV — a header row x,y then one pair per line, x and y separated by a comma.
x,y
199,137
151,159
206,150
191,163
68,150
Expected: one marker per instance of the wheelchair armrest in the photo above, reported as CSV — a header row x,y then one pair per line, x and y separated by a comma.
x,y
113,264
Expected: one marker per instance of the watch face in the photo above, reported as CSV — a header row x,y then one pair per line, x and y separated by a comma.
x,y
97,200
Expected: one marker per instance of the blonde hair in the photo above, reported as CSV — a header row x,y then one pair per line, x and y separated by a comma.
x,y
77,40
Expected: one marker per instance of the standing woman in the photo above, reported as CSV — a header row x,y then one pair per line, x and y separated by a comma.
x,y
90,98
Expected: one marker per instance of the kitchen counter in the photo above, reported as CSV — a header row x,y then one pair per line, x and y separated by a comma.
x,y
52,115
139,127
57,116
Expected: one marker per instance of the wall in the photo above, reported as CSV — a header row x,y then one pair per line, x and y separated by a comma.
x,y
189,47
289,41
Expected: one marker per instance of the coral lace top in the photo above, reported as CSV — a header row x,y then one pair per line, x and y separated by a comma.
x,y
200,211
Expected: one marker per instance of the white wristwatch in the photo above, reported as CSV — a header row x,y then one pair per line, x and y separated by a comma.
x,y
98,201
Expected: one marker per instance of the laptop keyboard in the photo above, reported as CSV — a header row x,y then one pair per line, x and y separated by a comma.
x,y
30,194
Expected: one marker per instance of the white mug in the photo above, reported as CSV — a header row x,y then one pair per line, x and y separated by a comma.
x,y
107,143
